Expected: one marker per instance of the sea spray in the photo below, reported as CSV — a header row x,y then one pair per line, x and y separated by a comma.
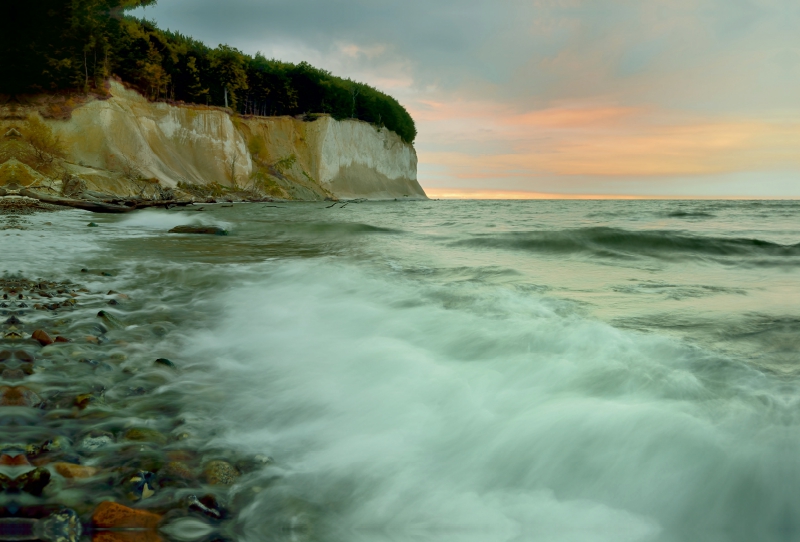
x,y
160,221
390,412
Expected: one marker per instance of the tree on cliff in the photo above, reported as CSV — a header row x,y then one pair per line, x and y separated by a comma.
x,y
228,71
75,45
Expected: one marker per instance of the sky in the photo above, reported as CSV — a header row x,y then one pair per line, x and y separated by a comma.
x,y
536,98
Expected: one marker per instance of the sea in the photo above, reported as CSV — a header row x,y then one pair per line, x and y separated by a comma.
x,y
469,370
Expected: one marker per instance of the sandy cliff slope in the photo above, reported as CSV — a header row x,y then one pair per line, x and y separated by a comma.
x,y
124,142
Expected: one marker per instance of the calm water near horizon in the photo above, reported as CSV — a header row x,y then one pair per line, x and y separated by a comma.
x,y
473,370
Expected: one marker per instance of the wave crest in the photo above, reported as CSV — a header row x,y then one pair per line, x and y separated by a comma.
x,y
627,244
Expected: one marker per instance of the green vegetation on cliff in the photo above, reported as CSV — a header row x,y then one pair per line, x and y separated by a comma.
x,y
52,45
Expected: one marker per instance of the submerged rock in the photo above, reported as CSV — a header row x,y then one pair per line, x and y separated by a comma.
x,y
205,230
141,485
84,400
71,470
221,473
34,481
12,374
141,434
63,526
110,319
97,441
14,460
206,506
165,362
176,473
111,515
19,396
42,337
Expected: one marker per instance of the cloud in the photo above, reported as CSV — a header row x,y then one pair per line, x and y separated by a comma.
x,y
665,51
570,147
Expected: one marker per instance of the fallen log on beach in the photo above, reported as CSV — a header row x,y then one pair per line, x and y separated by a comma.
x,y
111,205
138,203
165,203
95,207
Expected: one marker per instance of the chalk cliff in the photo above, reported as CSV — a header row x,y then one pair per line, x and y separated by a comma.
x,y
116,144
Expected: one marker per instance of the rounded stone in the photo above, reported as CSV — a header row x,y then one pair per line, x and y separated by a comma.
x,y
141,434
220,473
111,515
70,470
42,337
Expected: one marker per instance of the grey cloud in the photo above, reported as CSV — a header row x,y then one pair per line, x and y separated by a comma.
x,y
444,40
705,53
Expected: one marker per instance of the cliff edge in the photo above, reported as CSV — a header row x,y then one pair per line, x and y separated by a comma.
x,y
126,145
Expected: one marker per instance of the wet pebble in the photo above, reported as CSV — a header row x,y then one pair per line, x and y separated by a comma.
x,y
176,473
33,481
141,485
97,441
220,473
110,319
12,374
71,470
19,396
203,230
42,337
207,506
111,515
165,362
141,434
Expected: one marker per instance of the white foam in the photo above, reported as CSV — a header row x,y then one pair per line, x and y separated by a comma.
x,y
166,220
500,418
49,245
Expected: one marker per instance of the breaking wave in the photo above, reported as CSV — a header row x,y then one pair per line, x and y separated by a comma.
x,y
627,244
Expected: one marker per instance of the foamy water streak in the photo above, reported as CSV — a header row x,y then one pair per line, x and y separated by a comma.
x,y
505,419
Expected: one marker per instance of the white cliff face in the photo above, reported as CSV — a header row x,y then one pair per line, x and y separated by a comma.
x,y
347,159
126,134
359,160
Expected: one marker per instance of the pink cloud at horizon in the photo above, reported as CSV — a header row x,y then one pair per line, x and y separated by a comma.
x,y
470,141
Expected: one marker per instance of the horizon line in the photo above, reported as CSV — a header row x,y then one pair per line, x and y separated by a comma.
x,y
484,194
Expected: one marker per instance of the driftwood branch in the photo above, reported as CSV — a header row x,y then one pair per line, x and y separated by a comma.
x,y
111,205
163,203
95,207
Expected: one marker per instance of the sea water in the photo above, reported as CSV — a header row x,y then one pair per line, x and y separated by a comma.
x,y
472,370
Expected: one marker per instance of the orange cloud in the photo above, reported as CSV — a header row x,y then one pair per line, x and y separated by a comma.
x,y
566,117
602,141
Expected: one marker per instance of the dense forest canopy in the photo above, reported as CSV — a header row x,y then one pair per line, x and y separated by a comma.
x,y
52,45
